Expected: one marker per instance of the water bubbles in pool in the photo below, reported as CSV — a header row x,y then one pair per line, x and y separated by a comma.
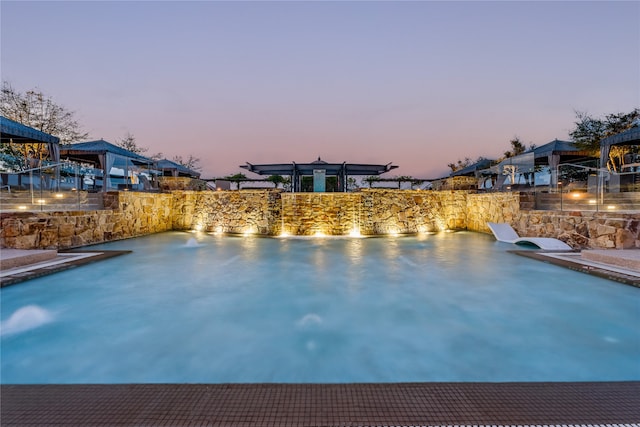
x,y
192,243
309,320
24,319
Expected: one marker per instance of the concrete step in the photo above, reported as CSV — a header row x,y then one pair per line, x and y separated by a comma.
x,y
625,258
12,258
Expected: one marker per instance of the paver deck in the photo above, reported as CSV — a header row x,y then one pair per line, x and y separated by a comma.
x,y
625,258
405,404
12,258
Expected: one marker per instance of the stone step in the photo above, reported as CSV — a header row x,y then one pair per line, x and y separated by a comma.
x,y
625,258
12,258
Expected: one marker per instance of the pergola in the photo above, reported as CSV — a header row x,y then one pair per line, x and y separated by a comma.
x,y
106,156
297,170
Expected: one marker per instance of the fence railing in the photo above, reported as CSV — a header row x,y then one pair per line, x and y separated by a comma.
x,y
50,186
585,188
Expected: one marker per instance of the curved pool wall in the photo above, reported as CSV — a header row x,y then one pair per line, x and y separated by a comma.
x,y
272,212
199,308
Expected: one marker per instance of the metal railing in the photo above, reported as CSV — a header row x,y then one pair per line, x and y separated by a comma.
x,y
50,186
582,188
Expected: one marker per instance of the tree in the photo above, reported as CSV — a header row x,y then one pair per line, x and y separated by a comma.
x,y
590,131
191,162
461,164
37,110
371,179
276,180
129,143
237,178
405,178
517,147
352,184
286,183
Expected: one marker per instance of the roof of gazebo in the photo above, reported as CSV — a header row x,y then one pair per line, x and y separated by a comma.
x,y
166,164
630,136
19,133
101,147
308,168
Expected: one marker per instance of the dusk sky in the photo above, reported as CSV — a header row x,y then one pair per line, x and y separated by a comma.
x,y
420,84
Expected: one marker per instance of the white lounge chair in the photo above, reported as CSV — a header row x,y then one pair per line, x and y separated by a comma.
x,y
505,233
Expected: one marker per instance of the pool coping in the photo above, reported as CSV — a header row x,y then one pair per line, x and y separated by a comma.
x,y
375,404
574,261
64,260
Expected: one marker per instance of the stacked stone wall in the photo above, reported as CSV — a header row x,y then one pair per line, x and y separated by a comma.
x,y
491,207
246,211
131,214
307,214
579,229
270,212
412,211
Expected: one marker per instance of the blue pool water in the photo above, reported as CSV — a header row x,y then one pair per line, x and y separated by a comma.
x,y
444,307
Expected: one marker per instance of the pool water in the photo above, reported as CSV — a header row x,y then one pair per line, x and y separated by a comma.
x,y
198,308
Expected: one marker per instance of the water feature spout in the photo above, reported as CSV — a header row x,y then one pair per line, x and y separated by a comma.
x,y
192,243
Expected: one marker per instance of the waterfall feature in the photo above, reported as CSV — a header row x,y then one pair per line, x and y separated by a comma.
x,y
366,212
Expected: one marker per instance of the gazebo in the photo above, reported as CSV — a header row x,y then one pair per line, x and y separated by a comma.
x,y
171,168
628,137
17,133
120,168
629,176
319,169
550,154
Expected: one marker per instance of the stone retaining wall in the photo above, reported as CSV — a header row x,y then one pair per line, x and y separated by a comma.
x,y
270,212
246,211
579,229
412,211
583,230
126,214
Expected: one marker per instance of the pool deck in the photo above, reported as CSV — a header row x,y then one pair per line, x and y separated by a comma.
x,y
18,265
405,404
620,265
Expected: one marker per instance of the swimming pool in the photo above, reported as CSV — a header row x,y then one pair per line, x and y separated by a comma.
x,y
198,308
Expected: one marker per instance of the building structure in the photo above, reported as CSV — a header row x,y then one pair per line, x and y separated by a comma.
x,y
319,169
519,172
17,133
121,169
171,168
626,175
